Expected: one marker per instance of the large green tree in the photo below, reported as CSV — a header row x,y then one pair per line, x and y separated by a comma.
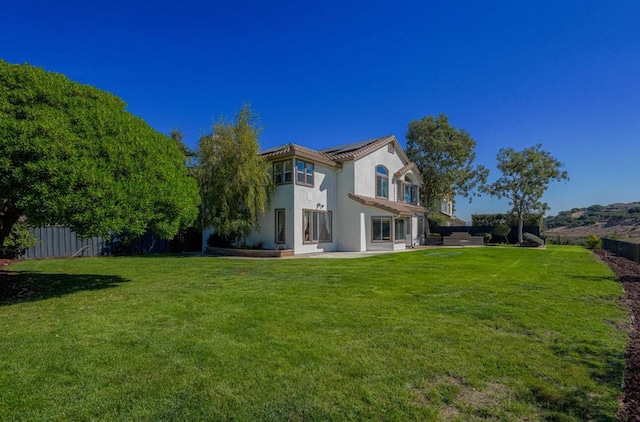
x,y
71,154
525,177
444,155
235,181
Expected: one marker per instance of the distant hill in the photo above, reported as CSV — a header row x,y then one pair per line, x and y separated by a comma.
x,y
615,220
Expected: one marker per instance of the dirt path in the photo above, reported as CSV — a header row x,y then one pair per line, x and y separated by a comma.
x,y
628,273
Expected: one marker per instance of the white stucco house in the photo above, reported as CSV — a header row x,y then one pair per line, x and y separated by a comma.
x,y
444,207
357,197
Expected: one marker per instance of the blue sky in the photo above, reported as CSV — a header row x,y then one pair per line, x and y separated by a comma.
x,y
513,74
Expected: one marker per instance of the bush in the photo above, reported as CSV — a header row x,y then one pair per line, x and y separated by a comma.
x,y
502,231
434,239
487,237
531,238
436,220
564,240
18,241
593,242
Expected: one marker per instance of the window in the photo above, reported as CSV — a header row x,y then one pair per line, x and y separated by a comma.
x,y
407,192
304,173
408,197
316,226
398,229
280,233
381,229
282,172
445,207
391,148
420,225
382,182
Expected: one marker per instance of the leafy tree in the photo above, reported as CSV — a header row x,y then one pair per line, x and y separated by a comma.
x,y
509,219
502,230
525,177
235,181
436,220
71,154
444,155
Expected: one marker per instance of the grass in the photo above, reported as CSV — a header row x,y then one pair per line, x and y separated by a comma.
x,y
441,334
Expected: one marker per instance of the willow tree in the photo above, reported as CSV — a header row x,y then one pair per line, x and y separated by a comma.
x,y
235,181
525,177
71,154
444,155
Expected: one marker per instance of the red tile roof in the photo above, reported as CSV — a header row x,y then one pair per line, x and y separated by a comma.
x,y
399,208
337,155
289,150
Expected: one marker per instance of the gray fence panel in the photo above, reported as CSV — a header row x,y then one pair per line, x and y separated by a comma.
x,y
62,242
57,242
625,249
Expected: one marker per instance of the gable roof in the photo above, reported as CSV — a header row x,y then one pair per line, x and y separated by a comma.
x,y
335,156
406,169
290,150
356,150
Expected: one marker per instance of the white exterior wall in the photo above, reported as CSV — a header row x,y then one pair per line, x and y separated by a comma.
x,y
365,172
323,192
350,225
351,221
281,198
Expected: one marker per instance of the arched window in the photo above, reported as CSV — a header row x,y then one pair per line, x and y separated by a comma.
x,y
382,182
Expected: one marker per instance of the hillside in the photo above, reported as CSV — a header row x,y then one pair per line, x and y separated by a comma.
x,y
615,220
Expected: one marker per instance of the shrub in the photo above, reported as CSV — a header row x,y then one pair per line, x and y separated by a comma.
x,y
18,241
593,242
564,240
436,220
434,239
502,231
487,237
532,239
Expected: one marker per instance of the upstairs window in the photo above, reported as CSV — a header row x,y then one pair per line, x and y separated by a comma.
x,y
304,173
444,206
282,172
382,182
407,192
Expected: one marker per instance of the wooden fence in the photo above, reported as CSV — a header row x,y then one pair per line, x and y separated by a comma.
x,y
62,242
626,249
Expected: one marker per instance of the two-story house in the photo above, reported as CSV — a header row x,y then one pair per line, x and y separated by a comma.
x,y
358,197
445,207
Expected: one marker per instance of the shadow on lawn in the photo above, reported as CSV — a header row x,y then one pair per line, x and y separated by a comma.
x,y
29,286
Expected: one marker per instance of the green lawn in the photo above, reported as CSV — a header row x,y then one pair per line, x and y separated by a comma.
x,y
440,334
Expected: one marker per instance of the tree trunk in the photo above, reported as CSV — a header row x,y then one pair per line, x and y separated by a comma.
x,y
520,227
427,229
